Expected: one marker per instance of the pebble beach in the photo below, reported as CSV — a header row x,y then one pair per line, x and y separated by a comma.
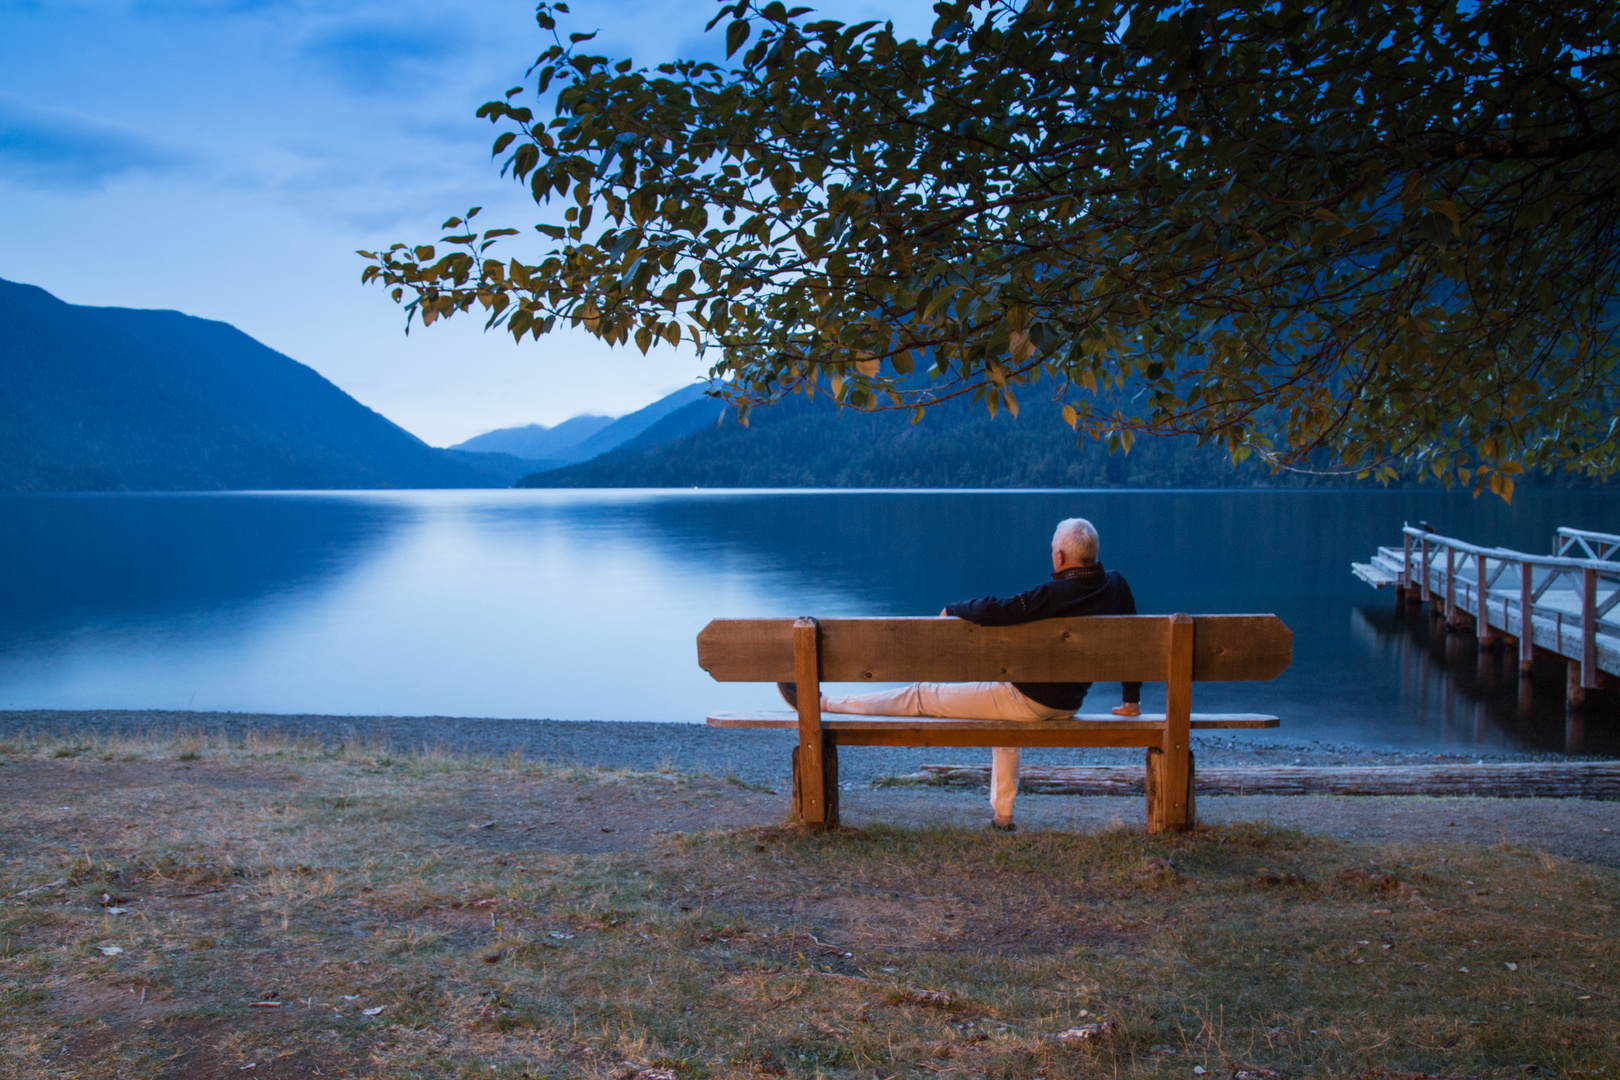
x,y
754,757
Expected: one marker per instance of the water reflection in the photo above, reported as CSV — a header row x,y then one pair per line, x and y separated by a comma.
x,y
145,563
1464,694
585,605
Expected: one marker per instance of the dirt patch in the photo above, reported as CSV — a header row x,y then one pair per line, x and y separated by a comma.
x,y
964,921
190,1048
55,777
566,818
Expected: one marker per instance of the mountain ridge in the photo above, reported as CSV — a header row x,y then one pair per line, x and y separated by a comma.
x,y
537,441
796,443
633,426
957,444
109,398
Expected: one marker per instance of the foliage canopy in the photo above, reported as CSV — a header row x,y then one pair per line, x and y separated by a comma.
x,y
1362,235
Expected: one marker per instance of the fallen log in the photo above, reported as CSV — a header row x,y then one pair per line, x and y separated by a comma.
x,y
1539,780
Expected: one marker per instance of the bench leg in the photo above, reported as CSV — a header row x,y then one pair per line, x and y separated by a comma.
x,y
1160,813
829,779
811,773
1169,765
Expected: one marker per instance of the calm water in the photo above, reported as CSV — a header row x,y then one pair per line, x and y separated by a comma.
x,y
584,605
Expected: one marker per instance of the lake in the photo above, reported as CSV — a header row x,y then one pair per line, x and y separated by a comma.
x,y
585,604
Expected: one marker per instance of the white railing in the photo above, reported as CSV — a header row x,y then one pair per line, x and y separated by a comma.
x,y
1596,545
1433,565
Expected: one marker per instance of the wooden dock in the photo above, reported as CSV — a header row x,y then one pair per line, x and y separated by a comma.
x,y
1561,606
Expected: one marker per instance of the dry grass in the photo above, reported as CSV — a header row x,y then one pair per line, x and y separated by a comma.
x,y
429,890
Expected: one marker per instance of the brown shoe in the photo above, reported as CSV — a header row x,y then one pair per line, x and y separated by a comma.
x,y
1130,708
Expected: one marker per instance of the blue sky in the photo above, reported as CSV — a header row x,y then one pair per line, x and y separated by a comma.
x,y
226,157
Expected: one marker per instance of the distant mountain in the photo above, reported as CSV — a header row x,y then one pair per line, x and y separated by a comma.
x,y
795,443
536,441
502,469
120,399
690,419
584,437
629,428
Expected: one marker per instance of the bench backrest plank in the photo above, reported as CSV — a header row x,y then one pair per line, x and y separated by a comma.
x,y
1098,648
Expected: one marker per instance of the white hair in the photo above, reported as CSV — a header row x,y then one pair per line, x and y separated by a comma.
x,y
1077,539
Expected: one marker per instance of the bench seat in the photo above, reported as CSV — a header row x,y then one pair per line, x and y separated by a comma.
x,y
1080,731
1177,650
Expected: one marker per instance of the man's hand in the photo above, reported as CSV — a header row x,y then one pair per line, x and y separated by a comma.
x,y
942,614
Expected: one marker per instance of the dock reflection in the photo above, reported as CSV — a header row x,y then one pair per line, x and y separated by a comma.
x,y
1473,694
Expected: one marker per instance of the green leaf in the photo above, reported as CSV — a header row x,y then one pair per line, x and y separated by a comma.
x,y
1232,268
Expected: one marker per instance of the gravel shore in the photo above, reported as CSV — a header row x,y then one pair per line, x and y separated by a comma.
x,y
756,757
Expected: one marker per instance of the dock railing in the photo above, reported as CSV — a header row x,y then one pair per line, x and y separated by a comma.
x,y
1559,604
1607,544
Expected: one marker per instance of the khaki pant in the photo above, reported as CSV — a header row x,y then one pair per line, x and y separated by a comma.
x,y
959,701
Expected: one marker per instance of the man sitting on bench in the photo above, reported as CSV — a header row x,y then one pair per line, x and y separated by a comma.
x,y
1079,586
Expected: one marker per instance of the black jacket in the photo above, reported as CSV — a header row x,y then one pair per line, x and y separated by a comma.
x,y
1079,590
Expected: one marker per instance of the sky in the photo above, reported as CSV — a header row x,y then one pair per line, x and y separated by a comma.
x,y
226,158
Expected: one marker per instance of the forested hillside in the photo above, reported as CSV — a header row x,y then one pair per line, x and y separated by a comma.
x,y
796,444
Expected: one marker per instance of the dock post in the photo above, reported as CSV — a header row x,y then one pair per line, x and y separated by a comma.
x,y
1574,692
1425,596
1527,626
1574,733
1589,619
1403,587
1451,587
1482,621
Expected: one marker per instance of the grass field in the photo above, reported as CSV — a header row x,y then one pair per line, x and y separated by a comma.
x,y
186,908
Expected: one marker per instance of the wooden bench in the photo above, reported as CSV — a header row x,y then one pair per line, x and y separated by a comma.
x,y
1177,650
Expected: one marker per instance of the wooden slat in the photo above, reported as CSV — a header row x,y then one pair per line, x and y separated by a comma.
x,y
783,720
1104,648
1025,735
1375,576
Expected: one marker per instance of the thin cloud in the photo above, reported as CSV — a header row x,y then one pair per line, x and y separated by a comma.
x,y
387,59
54,148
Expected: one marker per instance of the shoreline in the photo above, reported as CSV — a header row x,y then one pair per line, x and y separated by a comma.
x,y
752,756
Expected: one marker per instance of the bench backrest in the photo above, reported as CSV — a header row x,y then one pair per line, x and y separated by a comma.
x,y
1097,648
